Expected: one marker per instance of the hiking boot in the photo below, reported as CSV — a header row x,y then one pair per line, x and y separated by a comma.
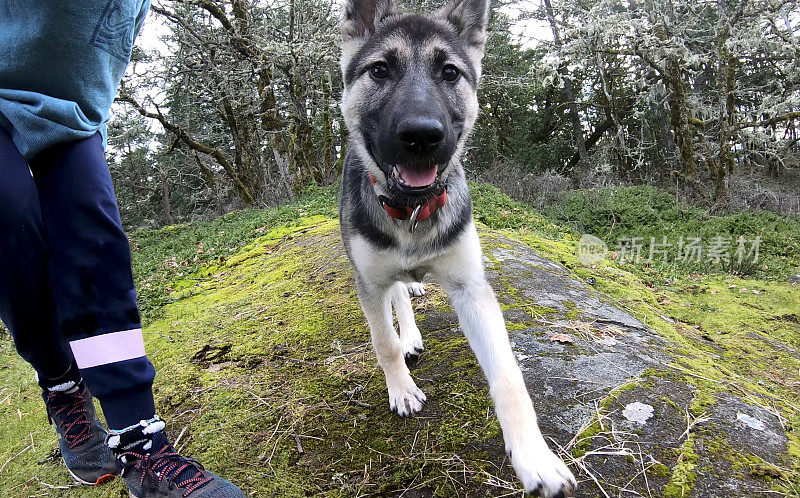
x,y
151,467
81,437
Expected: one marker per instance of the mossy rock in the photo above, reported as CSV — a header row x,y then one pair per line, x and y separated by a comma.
x,y
266,371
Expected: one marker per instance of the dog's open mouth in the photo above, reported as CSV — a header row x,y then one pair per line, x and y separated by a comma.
x,y
415,176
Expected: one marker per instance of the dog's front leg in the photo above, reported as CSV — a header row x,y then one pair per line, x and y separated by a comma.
x,y
405,398
461,274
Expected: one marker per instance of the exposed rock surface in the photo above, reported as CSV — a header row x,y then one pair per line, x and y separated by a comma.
x,y
603,387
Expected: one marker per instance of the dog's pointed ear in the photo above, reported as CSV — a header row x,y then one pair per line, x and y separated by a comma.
x,y
362,17
470,18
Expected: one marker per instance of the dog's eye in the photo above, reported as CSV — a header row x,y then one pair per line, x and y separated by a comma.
x,y
450,72
379,70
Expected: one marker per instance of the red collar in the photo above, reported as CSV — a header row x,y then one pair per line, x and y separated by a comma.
x,y
423,211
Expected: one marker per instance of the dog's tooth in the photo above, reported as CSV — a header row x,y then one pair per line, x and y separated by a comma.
x,y
399,176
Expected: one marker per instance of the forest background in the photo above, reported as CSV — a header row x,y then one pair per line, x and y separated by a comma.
x,y
231,104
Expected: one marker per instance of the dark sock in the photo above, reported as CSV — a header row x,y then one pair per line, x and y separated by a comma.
x,y
72,375
126,409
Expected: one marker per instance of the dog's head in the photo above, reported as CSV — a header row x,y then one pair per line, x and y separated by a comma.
x,y
410,89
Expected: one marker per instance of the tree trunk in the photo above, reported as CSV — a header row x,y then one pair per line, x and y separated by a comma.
x,y
679,118
327,130
569,96
165,198
247,150
726,77
283,172
302,161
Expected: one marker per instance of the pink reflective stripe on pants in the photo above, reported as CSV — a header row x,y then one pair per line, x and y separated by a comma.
x,y
108,348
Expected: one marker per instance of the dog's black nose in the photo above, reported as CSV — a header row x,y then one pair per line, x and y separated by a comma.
x,y
420,134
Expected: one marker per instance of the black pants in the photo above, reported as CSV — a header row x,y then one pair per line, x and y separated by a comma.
x,y
66,287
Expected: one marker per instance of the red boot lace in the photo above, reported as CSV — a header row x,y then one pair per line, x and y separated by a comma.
x,y
71,407
166,464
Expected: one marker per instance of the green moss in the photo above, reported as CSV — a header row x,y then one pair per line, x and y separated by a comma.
x,y
286,340
702,401
498,211
683,473
584,441
513,326
273,339
659,470
572,310
747,464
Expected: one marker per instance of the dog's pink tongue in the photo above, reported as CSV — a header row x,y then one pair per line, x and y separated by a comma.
x,y
414,176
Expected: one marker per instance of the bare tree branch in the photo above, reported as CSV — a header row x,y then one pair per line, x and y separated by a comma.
x,y
193,144
769,122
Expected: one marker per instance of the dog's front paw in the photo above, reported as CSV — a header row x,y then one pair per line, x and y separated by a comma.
x,y
416,288
543,473
406,399
412,345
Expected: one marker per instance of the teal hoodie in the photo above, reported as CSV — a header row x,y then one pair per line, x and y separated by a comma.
x,y
61,62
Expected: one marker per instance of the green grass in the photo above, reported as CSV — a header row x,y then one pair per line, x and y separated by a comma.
x,y
616,215
170,254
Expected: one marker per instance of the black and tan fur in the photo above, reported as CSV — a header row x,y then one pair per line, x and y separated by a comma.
x,y
407,115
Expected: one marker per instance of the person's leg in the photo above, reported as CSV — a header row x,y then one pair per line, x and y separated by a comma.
x,y
92,283
27,308
93,288
26,305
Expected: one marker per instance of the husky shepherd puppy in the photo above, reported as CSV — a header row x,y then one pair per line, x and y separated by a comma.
x,y
410,102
